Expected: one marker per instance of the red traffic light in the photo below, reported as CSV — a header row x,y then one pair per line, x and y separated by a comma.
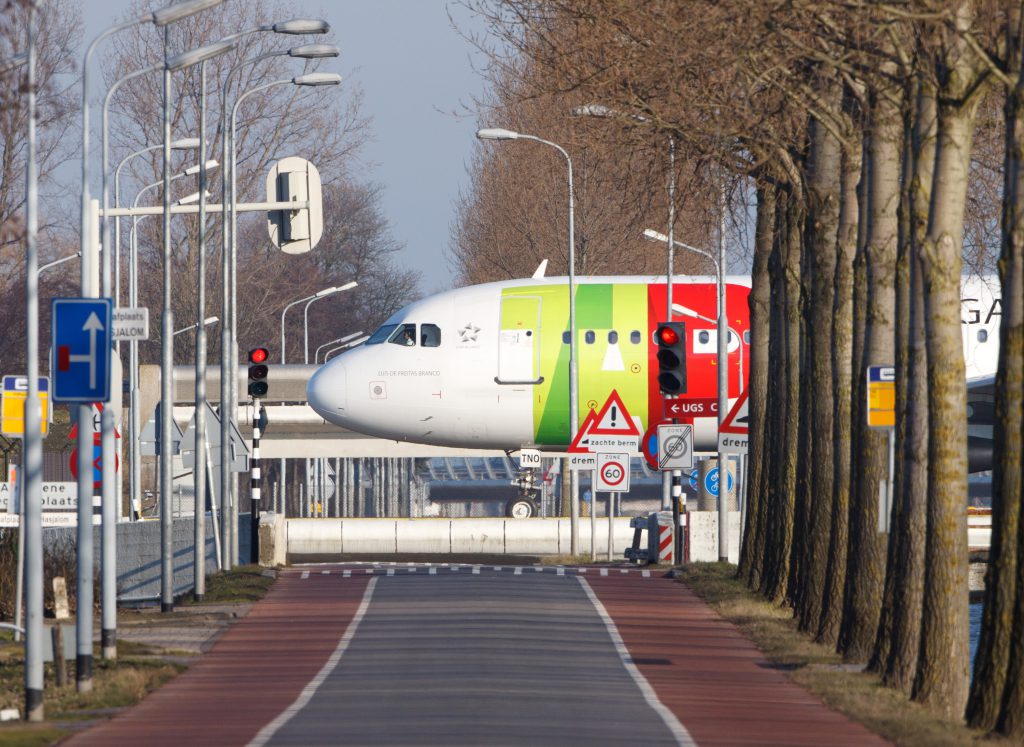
x,y
258,355
668,336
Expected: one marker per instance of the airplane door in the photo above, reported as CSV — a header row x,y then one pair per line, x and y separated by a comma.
x,y
519,341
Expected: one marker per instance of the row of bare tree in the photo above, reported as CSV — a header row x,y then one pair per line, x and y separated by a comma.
x,y
883,142
324,125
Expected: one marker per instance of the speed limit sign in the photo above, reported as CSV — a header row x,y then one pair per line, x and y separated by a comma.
x,y
612,473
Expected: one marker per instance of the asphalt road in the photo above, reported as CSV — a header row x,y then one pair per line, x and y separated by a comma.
x,y
470,659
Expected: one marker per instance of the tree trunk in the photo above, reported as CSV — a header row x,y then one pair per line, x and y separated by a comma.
x,y
752,555
842,359
789,354
942,675
823,191
899,664
866,565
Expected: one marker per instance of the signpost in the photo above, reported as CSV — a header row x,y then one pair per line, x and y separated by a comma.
x,y
689,408
81,349
881,413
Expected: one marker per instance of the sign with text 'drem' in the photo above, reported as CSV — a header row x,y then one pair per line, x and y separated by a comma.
x,y
81,349
12,405
881,396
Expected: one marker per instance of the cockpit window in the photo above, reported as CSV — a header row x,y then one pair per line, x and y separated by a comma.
x,y
381,334
404,334
430,335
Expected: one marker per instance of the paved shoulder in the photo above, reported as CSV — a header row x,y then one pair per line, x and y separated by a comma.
x,y
715,680
253,672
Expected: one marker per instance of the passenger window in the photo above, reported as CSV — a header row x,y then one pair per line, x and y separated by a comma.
x,y
746,336
635,337
430,335
404,334
703,337
381,334
613,337
566,337
982,335
589,337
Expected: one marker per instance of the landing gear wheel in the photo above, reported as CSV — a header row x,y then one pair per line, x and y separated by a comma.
x,y
521,508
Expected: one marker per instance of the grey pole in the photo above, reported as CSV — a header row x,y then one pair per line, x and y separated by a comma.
x,y
666,476
166,363
723,394
32,529
199,468
108,536
574,420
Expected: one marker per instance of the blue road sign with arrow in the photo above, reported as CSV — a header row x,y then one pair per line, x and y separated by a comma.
x,y
81,340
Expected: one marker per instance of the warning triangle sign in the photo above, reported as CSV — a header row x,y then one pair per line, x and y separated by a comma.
x,y
578,445
736,421
614,419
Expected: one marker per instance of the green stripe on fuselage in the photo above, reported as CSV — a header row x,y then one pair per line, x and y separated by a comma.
x,y
604,363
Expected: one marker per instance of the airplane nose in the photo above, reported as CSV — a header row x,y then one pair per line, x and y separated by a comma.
x,y
327,393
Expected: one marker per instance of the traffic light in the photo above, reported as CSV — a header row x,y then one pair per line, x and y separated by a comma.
x,y
258,372
671,339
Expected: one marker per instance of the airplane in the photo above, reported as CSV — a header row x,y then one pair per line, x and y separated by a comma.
x,y
486,366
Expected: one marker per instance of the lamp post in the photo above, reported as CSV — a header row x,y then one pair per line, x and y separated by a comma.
x,y
229,355
318,294
341,340
31,533
83,659
171,64
56,262
502,134
723,358
305,314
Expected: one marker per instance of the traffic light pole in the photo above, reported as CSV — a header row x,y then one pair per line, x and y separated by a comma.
x,y
254,483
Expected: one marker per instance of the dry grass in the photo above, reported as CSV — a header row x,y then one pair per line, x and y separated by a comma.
x,y
245,583
818,669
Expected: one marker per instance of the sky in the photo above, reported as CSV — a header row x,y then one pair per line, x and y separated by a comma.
x,y
418,79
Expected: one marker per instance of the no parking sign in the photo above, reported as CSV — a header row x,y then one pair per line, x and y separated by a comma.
x,y
612,473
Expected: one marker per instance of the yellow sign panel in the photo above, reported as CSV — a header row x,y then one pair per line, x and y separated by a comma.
x,y
12,405
881,396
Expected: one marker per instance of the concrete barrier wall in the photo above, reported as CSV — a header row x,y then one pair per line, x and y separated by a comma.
x,y
138,554
702,536
450,536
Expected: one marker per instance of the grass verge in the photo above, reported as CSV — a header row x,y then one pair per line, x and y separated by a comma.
x,y
244,583
818,669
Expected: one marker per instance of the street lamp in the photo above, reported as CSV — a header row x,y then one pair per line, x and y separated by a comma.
x,y
83,659
343,339
346,346
733,334
305,314
56,262
206,323
315,296
229,354
495,133
176,63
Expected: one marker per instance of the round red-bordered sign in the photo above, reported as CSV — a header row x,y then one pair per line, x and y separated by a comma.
x,y
612,473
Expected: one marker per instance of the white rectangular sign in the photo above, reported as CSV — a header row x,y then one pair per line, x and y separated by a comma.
x,y
57,496
612,473
130,324
675,447
529,458
732,443
582,461
613,444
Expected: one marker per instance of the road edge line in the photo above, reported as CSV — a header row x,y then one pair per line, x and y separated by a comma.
x,y
675,726
267,732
